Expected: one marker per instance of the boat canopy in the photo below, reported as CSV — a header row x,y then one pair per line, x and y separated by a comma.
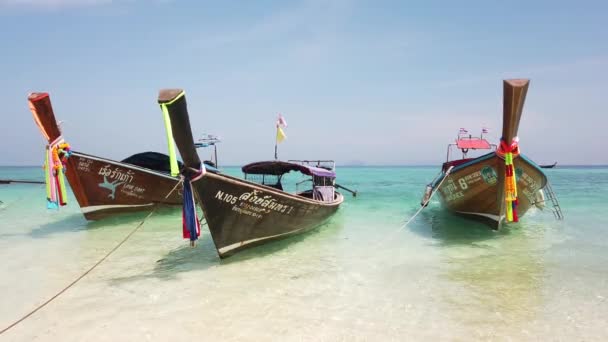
x,y
152,160
160,162
207,140
278,168
473,143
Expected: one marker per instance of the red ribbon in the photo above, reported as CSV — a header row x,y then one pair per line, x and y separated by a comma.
x,y
504,148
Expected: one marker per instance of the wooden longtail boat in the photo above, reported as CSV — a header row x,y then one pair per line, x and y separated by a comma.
x,y
105,187
245,213
548,166
482,187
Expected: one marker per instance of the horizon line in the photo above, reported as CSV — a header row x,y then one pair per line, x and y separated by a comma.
x,y
368,165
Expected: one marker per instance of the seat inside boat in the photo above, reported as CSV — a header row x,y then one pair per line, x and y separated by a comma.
x,y
320,193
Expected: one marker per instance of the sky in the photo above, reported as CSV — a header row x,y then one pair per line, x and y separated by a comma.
x,y
360,82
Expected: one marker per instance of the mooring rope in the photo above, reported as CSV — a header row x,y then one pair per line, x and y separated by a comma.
x,y
391,234
5,205
92,267
447,174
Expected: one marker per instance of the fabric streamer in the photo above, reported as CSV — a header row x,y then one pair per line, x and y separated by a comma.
x,y
511,200
191,226
57,154
169,131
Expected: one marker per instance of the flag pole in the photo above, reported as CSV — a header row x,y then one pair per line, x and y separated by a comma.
x,y
276,142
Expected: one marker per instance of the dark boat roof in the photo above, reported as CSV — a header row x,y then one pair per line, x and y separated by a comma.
x,y
277,168
151,160
160,162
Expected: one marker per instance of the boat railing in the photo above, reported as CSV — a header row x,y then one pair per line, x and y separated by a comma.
x,y
464,151
209,140
318,183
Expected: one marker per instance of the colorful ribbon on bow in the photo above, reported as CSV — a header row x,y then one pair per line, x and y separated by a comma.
x,y
191,226
511,200
57,154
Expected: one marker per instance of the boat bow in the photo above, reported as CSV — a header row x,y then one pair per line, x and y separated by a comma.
x,y
514,96
173,102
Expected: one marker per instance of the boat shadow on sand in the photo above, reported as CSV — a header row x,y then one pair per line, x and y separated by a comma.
x,y
450,229
76,222
204,256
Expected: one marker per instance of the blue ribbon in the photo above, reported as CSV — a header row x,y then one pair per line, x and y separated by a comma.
x,y
190,218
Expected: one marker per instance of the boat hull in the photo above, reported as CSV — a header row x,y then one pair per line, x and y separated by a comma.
x,y
104,187
476,188
548,166
242,214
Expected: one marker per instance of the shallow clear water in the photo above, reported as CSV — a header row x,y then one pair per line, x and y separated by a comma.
x,y
362,276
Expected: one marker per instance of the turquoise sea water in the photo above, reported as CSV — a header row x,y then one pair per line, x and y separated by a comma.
x,y
363,276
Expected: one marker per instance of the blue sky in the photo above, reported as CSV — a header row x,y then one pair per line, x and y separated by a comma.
x,y
384,82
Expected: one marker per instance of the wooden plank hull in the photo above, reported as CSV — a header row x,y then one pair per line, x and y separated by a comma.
x,y
242,214
476,188
104,187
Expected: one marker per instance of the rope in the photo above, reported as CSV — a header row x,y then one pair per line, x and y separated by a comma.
x,y
391,234
447,174
91,268
4,205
